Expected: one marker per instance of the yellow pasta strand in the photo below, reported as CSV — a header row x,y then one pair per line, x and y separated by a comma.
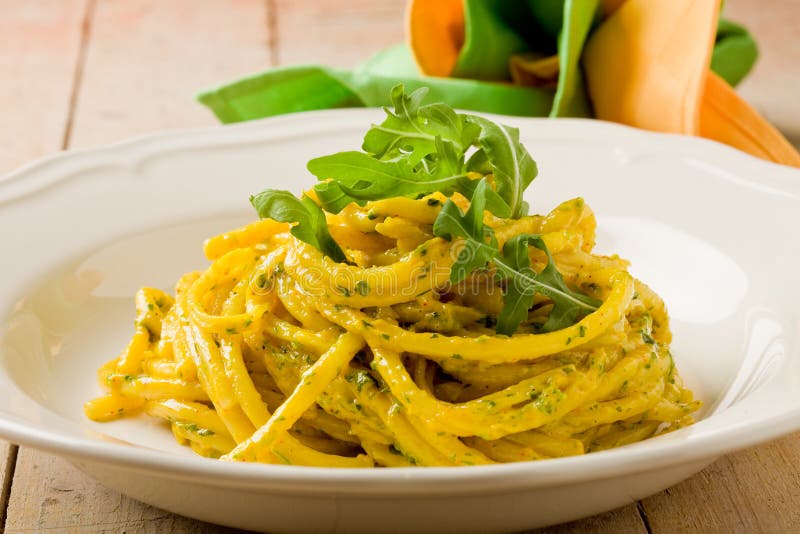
x,y
277,354
312,383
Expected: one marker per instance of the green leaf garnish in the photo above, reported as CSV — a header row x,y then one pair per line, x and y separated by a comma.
x,y
480,244
511,164
411,129
513,265
358,177
311,226
522,284
422,149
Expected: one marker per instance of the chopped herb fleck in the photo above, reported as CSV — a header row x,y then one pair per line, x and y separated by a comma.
x,y
283,458
489,321
344,291
359,379
362,288
545,407
261,281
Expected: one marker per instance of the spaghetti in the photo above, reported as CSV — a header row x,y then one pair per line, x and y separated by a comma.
x,y
278,354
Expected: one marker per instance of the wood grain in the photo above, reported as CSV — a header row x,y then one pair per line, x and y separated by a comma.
x,y
148,58
8,459
39,46
623,520
773,86
338,34
756,490
143,62
49,494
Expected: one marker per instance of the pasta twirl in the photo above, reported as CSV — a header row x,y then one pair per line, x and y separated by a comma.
x,y
278,354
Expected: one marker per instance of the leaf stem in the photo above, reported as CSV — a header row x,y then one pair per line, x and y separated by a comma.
x,y
511,272
403,133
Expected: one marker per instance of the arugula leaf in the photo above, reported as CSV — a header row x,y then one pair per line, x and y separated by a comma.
x,y
332,198
479,163
311,226
420,149
358,177
513,265
511,164
480,244
522,284
411,130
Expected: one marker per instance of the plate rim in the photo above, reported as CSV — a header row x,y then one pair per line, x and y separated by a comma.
x,y
652,455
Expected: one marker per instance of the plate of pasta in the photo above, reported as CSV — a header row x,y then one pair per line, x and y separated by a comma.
x,y
414,317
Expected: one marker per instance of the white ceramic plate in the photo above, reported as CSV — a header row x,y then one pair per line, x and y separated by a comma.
x,y
711,229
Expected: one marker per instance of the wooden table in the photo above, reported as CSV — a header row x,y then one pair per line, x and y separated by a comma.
x,y
77,73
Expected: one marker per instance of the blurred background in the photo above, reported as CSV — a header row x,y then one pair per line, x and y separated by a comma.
x,y
77,73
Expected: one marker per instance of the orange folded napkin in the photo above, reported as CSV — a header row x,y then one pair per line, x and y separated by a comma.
x,y
647,63
662,65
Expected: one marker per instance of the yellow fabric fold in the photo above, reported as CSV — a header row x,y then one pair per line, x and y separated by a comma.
x,y
727,118
435,32
534,70
647,65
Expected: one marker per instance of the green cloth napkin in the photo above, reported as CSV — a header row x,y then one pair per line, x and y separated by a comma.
x,y
735,52
494,31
